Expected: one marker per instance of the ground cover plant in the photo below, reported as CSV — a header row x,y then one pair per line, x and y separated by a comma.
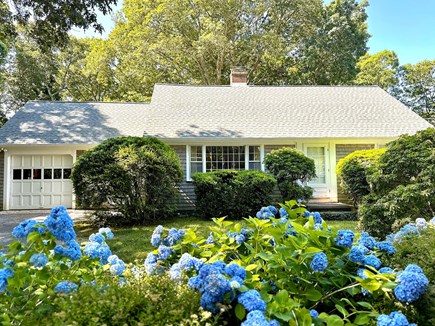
x,y
135,176
282,267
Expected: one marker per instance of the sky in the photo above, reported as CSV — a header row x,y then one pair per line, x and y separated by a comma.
x,y
404,26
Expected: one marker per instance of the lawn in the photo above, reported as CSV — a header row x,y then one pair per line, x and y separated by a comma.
x,y
131,243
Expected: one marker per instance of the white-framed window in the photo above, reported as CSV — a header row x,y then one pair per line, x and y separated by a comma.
x,y
206,158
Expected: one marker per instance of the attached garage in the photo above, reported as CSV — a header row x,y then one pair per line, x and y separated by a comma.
x,y
40,181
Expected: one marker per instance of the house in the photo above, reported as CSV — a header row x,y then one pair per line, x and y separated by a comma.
x,y
210,128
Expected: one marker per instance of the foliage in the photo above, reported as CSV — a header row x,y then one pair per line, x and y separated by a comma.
x,y
134,175
329,55
49,22
292,169
290,268
46,256
354,170
231,193
416,88
378,69
418,249
147,300
403,186
340,216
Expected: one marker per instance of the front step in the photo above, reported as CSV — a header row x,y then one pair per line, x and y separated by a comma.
x,y
317,206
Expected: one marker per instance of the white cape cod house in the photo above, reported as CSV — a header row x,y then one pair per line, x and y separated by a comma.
x,y
210,128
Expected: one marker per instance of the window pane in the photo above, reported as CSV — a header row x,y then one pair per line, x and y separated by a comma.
x,y
196,153
27,174
225,157
37,174
17,174
57,173
254,166
254,153
48,174
195,167
318,155
66,173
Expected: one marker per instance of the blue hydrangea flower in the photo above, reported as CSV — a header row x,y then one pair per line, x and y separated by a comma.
x,y
240,238
421,223
39,260
60,224
107,232
432,221
210,239
361,273
394,319
356,255
319,262
367,241
72,251
251,300
264,213
386,270
318,226
151,263
283,220
234,270
314,314
164,252
97,237
175,272
195,282
412,284
386,246
188,262
272,209
372,261
65,287
344,238
5,273
317,218
173,236
156,236
117,265
257,318
283,212
97,250
22,230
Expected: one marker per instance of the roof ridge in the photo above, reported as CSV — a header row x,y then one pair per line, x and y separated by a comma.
x,y
271,86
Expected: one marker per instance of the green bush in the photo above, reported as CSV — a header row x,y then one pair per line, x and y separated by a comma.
x,y
353,171
419,250
340,216
292,169
133,175
402,187
232,193
150,300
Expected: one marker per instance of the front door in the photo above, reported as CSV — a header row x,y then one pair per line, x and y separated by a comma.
x,y
320,154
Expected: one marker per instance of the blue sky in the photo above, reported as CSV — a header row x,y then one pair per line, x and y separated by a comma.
x,y
404,26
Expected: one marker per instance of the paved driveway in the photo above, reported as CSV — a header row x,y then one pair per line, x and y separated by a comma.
x,y
10,219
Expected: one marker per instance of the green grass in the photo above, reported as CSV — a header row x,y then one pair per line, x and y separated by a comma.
x,y
133,243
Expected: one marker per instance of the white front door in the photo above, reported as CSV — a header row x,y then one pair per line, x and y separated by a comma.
x,y
40,181
320,184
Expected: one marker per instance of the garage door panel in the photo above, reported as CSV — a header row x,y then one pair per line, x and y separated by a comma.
x,y
40,181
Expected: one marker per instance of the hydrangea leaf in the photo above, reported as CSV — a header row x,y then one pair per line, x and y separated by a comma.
x,y
240,311
362,319
313,295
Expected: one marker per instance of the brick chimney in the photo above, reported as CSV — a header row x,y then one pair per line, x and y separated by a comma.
x,y
239,76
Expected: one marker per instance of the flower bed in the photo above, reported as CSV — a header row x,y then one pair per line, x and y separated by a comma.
x,y
283,267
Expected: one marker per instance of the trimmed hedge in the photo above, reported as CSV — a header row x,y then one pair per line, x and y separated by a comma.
x,y
232,193
354,169
340,216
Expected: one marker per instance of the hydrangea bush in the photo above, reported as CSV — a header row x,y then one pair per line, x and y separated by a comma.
x,y
287,266
46,261
283,267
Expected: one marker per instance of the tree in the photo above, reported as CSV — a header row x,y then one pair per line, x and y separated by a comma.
x,y
50,21
378,69
291,169
330,55
134,175
416,88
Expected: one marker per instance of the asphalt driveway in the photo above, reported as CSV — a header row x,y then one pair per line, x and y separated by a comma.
x,y
10,219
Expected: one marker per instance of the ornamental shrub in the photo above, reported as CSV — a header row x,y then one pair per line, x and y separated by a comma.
x,y
353,171
402,187
292,170
232,193
135,176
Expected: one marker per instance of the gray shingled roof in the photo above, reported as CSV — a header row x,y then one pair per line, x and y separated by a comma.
x,y
41,122
192,112
278,112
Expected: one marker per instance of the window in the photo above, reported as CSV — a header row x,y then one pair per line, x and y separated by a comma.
x,y
27,174
66,173
16,174
254,158
195,159
48,174
57,173
37,174
318,155
225,158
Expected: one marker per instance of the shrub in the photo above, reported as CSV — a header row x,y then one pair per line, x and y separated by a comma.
x,y
340,216
148,300
403,185
419,249
133,175
232,193
353,171
292,169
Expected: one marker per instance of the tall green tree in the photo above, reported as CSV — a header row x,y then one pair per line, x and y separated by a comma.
x,y
416,88
378,69
330,55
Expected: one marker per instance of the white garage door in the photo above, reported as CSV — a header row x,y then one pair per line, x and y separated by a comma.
x,y
41,181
